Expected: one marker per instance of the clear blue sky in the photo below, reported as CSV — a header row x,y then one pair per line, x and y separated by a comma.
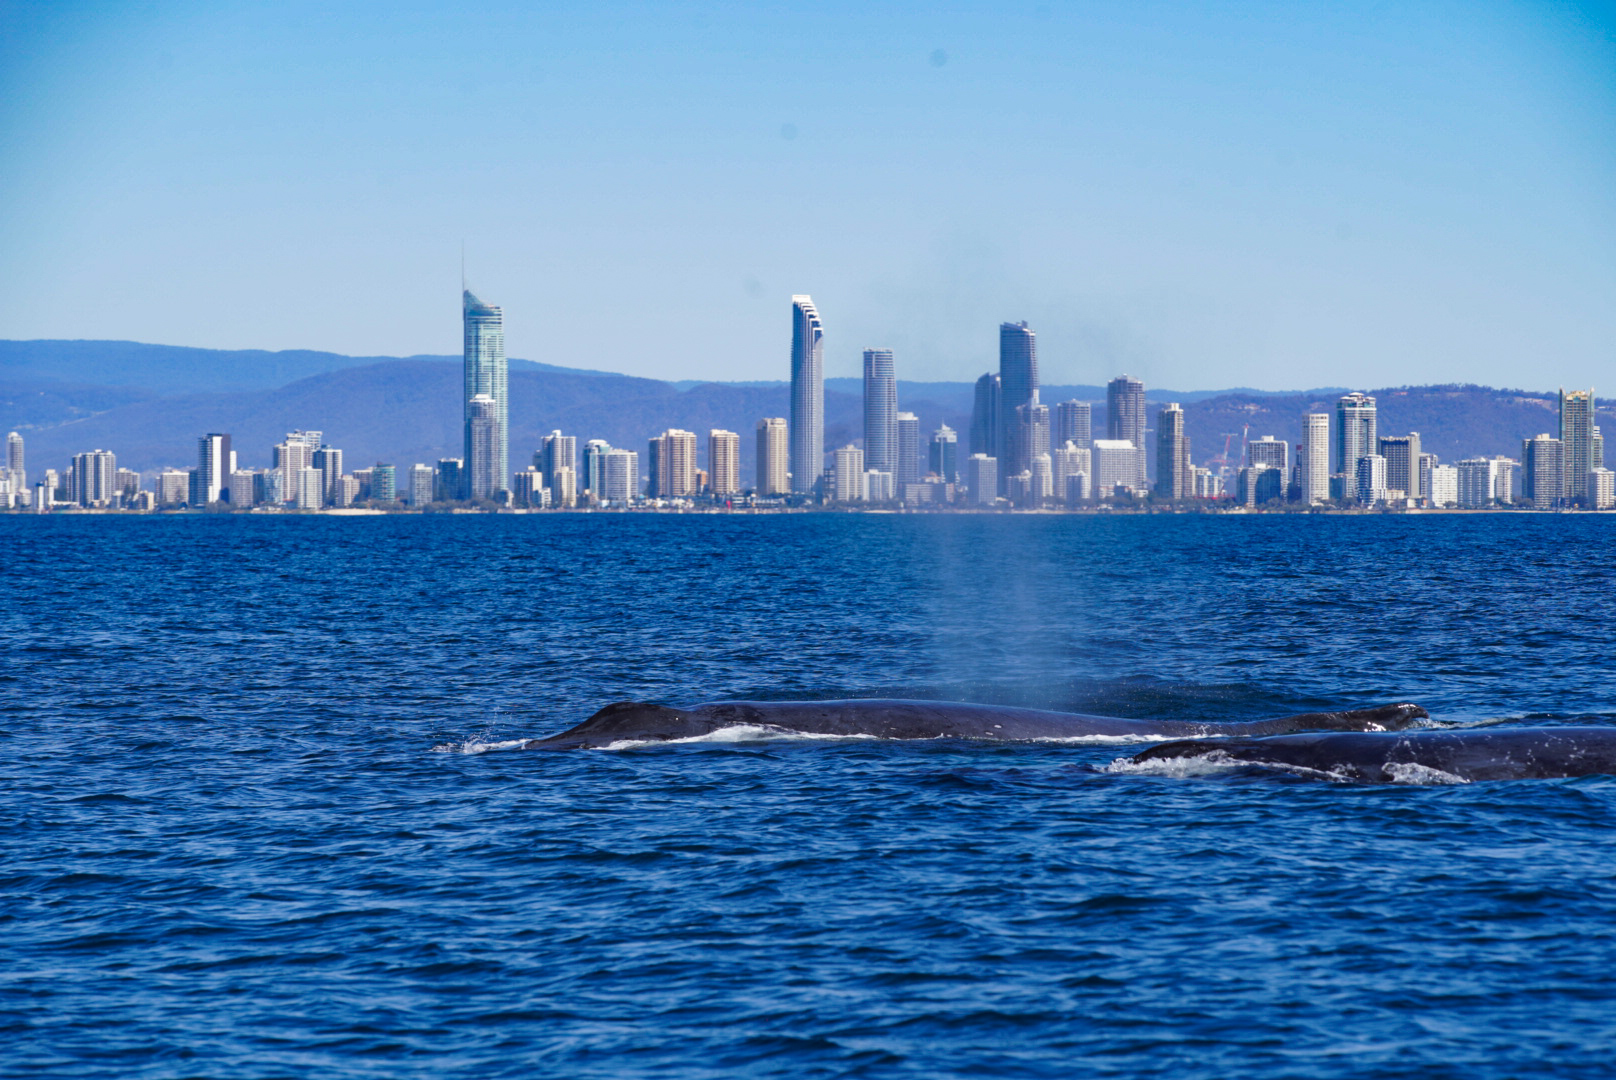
x,y
1203,195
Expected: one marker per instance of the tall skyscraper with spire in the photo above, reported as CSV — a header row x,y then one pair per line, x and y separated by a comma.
x,y
807,396
485,377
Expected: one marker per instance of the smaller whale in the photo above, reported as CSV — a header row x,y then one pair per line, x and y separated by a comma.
x,y
1388,757
883,718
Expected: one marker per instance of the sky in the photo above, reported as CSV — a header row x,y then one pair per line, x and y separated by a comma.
x,y
1202,195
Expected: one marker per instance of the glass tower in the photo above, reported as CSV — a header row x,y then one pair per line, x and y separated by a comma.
x,y
1577,433
880,410
807,395
1354,432
1018,386
485,373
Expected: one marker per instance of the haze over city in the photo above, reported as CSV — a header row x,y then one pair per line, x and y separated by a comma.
x,y
1248,195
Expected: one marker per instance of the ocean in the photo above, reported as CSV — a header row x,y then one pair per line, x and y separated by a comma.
x,y
260,815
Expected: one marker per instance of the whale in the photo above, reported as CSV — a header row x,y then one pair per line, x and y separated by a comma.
x,y
885,718
1465,754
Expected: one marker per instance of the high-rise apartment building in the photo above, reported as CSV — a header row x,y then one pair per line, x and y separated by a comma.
x,y
1313,458
672,464
1370,474
620,476
1485,482
423,479
847,475
880,410
243,488
1125,422
214,464
564,487
486,398
773,457
1543,472
592,474
15,464
1116,464
1270,452
1030,436
450,483
906,469
173,487
528,489
1068,461
485,435
982,477
1443,487
310,491
1172,454
556,451
807,396
93,479
944,456
1402,454
1601,489
1073,424
1577,433
985,416
383,482
1018,386
723,462
1355,432
328,459
292,456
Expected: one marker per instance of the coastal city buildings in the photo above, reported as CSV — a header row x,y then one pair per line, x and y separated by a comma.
x,y
1024,454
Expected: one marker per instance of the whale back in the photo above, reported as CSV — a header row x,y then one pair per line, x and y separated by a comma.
x,y
1386,757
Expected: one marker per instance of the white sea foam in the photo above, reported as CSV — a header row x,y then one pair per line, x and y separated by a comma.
x,y
1409,772
475,745
1199,765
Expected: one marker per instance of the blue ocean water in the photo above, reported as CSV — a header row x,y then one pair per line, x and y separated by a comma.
x,y
255,820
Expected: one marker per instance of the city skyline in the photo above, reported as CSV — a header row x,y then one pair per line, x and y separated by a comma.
x,y
888,466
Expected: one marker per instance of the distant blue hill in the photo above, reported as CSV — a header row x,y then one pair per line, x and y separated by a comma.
x,y
67,397
161,370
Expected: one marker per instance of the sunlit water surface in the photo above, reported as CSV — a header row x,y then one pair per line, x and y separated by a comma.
x,y
260,815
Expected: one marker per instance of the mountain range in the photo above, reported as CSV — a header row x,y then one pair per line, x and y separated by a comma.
x,y
148,404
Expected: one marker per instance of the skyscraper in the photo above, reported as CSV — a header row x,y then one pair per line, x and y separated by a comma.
x,y
594,467
985,416
383,482
880,410
673,464
485,377
450,483
213,469
944,457
620,476
773,456
1402,454
1543,472
807,396
906,469
1018,386
1172,454
291,456
723,462
1270,452
484,447
1313,458
1031,434
1355,432
92,480
421,484
1370,477
1073,423
1125,421
982,477
14,462
847,475
1577,433
328,459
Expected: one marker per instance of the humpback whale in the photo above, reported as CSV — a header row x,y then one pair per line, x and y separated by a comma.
x,y
1369,757
634,721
